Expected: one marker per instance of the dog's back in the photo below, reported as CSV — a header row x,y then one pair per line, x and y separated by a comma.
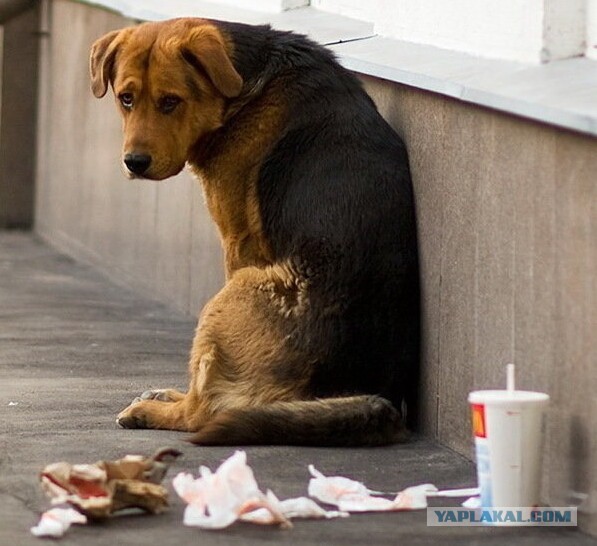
x,y
336,195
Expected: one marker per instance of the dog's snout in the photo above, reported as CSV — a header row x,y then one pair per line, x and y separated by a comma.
x,y
137,163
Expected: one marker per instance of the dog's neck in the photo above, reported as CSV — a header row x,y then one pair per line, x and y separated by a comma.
x,y
276,93
251,91
233,143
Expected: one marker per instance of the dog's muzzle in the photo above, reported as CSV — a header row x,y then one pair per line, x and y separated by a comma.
x,y
137,163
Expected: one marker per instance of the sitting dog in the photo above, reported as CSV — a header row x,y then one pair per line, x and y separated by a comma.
x,y
314,338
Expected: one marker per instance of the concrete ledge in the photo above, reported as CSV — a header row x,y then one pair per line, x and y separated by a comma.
x,y
323,27
561,93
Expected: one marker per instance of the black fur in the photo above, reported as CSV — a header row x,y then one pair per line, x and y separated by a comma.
x,y
336,196
335,422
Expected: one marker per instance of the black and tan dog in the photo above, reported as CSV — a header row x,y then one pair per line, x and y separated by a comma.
x,y
314,337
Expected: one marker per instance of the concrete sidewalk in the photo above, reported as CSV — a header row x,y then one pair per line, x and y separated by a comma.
x,y
74,350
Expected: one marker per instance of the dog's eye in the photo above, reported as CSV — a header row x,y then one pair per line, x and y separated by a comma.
x,y
126,99
168,103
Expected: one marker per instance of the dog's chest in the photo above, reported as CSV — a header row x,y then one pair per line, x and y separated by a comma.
x,y
229,173
234,206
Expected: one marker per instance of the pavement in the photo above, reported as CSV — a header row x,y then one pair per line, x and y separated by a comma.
x,y
75,348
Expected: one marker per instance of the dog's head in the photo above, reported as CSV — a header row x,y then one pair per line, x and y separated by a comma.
x,y
171,81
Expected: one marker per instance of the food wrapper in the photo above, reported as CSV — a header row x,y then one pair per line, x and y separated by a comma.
x,y
55,522
100,489
352,496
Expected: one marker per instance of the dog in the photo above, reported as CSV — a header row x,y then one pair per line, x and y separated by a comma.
x,y
314,338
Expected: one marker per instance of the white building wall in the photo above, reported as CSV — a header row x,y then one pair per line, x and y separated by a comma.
x,y
365,10
564,29
273,6
527,31
508,29
592,29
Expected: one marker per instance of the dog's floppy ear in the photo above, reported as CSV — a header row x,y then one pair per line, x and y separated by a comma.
x,y
101,61
205,48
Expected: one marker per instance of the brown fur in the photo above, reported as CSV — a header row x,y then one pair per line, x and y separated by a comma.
x,y
244,353
229,174
129,60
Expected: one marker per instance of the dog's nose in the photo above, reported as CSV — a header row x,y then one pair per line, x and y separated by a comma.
x,y
137,163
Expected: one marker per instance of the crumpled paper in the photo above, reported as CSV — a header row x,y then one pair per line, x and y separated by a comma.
x,y
100,489
217,499
55,522
352,496
300,507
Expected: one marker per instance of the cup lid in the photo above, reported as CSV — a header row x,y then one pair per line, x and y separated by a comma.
x,y
506,397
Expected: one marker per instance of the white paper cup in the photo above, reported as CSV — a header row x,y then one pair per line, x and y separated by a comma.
x,y
508,431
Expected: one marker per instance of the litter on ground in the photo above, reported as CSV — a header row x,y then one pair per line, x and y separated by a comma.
x,y
55,522
214,500
97,490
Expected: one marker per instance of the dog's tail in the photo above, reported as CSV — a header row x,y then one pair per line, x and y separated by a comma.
x,y
350,421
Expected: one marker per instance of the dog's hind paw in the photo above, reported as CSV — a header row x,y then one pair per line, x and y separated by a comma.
x,y
128,418
134,415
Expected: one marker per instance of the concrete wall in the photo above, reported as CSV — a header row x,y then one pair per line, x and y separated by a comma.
x,y
18,119
508,236
506,212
